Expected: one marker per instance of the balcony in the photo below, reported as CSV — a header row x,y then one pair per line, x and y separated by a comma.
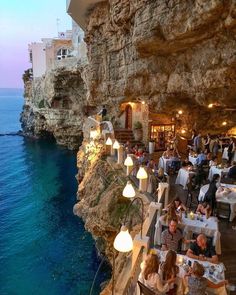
x,y
79,9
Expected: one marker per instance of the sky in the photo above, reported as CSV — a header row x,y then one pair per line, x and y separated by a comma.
x,y
23,22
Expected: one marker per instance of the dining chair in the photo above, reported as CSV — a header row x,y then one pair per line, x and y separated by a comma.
x,y
144,290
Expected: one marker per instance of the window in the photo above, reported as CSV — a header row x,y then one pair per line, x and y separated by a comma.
x,y
63,53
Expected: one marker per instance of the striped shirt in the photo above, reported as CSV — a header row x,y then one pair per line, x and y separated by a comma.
x,y
171,241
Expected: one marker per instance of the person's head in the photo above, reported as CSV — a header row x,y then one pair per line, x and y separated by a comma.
x,y
177,202
198,269
151,265
104,106
168,149
215,177
234,163
214,158
173,226
171,258
202,241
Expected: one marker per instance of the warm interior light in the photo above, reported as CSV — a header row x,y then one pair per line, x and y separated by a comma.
x,y
128,161
123,241
109,141
116,145
143,102
183,131
93,134
128,191
224,123
210,105
142,174
180,112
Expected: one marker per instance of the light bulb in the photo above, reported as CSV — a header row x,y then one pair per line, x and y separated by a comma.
x,y
123,241
116,145
128,161
180,112
109,141
128,191
142,174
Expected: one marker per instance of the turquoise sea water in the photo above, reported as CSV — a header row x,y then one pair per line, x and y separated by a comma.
x,y
44,248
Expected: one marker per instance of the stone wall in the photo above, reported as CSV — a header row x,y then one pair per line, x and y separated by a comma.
x,y
169,53
54,106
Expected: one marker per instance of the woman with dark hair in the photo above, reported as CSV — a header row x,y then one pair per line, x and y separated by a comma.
x,y
150,277
210,196
172,215
169,270
204,208
177,203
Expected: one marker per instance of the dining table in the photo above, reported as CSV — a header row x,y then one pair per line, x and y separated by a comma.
x,y
192,224
183,176
226,193
213,272
217,170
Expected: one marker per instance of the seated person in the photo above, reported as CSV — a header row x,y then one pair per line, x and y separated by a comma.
x,y
177,203
139,152
186,163
150,277
200,158
232,171
197,283
169,269
172,214
167,154
143,159
213,161
204,208
202,250
171,237
151,165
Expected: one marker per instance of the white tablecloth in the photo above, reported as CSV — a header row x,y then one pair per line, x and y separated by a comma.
x,y
164,163
225,154
192,159
223,196
209,227
215,170
183,177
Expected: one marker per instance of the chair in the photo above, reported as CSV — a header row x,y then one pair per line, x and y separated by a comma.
x,y
223,210
145,290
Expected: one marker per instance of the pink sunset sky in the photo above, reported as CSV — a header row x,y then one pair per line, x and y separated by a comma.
x,y
23,22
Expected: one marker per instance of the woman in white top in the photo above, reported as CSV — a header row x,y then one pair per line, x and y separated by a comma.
x,y
150,277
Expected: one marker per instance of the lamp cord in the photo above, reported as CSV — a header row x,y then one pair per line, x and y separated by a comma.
x,y
95,277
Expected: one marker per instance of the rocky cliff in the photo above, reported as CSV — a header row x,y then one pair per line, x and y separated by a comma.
x,y
54,106
171,54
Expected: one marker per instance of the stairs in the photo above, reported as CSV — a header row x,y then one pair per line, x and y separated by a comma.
x,y
124,135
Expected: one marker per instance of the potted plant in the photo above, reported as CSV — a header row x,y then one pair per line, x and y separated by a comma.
x,y
151,146
138,131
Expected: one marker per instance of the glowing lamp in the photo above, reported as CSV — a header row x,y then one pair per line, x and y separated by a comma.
x,y
180,112
116,145
128,161
128,191
123,241
224,123
210,105
183,131
93,134
143,102
142,174
109,141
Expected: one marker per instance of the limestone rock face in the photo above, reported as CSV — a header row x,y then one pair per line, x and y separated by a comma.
x,y
54,106
168,53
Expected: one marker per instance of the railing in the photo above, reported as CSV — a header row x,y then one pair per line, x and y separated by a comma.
x,y
127,280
